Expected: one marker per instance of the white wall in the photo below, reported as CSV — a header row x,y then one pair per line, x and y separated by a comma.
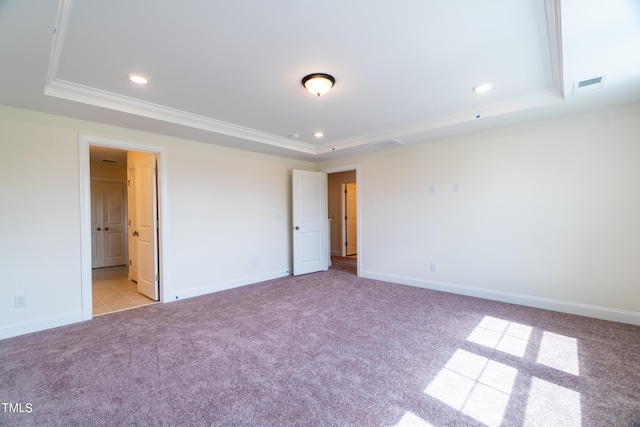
x,y
548,214
228,216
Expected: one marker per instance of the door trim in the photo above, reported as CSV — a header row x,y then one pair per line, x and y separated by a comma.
x,y
361,247
84,141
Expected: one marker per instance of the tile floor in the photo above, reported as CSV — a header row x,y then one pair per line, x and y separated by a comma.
x,y
113,291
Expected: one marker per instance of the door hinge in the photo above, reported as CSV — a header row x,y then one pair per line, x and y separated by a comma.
x,y
157,277
129,182
129,262
155,171
345,243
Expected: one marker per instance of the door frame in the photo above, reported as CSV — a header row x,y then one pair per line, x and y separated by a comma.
x,y
343,215
347,168
84,142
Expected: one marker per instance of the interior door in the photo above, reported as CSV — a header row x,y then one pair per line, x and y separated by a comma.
x,y
97,247
310,222
351,220
114,228
133,226
147,219
108,228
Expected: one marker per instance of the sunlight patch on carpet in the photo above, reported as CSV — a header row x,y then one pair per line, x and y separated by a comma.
x,y
409,419
481,388
508,337
559,352
551,405
476,386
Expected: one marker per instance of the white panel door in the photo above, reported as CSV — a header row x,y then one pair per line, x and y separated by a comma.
x,y
310,222
147,235
113,221
97,247
133,226
351,220
108,216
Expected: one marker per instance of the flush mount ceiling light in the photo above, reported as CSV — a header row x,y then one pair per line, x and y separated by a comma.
x,y
318,83
318,134
137,78
482,87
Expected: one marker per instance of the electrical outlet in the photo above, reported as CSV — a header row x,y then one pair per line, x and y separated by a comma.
x,y
434,267
19,301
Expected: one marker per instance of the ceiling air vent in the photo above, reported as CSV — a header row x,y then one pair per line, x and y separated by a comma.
x,y
589,85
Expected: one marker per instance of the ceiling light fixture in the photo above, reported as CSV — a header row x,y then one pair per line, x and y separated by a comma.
x,y
137,78
318,134
318,83
483,87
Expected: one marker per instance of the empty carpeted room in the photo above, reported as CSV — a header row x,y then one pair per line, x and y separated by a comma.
x,y
346,214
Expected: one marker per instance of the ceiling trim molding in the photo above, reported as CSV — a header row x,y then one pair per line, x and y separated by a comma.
x,y
59,35
87,95
100,98
533,100
554,31
71,91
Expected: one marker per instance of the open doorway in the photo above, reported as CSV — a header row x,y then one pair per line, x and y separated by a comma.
x,y
343,218
114,253
118,231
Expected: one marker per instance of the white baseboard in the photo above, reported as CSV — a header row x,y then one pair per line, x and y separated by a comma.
x,y
605,313
222,286
40,324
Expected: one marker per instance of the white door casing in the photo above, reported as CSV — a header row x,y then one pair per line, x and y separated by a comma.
x,y
351,220
310,222
84,142
146,231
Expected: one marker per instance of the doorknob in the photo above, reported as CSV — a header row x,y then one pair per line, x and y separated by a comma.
x,y
297,228
98,229
106,229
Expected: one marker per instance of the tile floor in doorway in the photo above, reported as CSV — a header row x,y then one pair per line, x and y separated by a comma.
x,y
113,291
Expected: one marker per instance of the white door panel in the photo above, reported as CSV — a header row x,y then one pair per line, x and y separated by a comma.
x,y
133,226
351,221
114,224
310,224
146,212
97,257
108,216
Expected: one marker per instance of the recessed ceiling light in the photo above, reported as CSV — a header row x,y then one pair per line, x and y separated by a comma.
x,y
318,134
137,78
482,87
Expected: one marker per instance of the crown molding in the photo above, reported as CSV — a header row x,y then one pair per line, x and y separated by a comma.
x,y
63,89
533,100
112,101
92,96
554,31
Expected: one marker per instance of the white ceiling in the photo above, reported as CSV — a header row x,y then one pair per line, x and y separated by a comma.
x,y
230,73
